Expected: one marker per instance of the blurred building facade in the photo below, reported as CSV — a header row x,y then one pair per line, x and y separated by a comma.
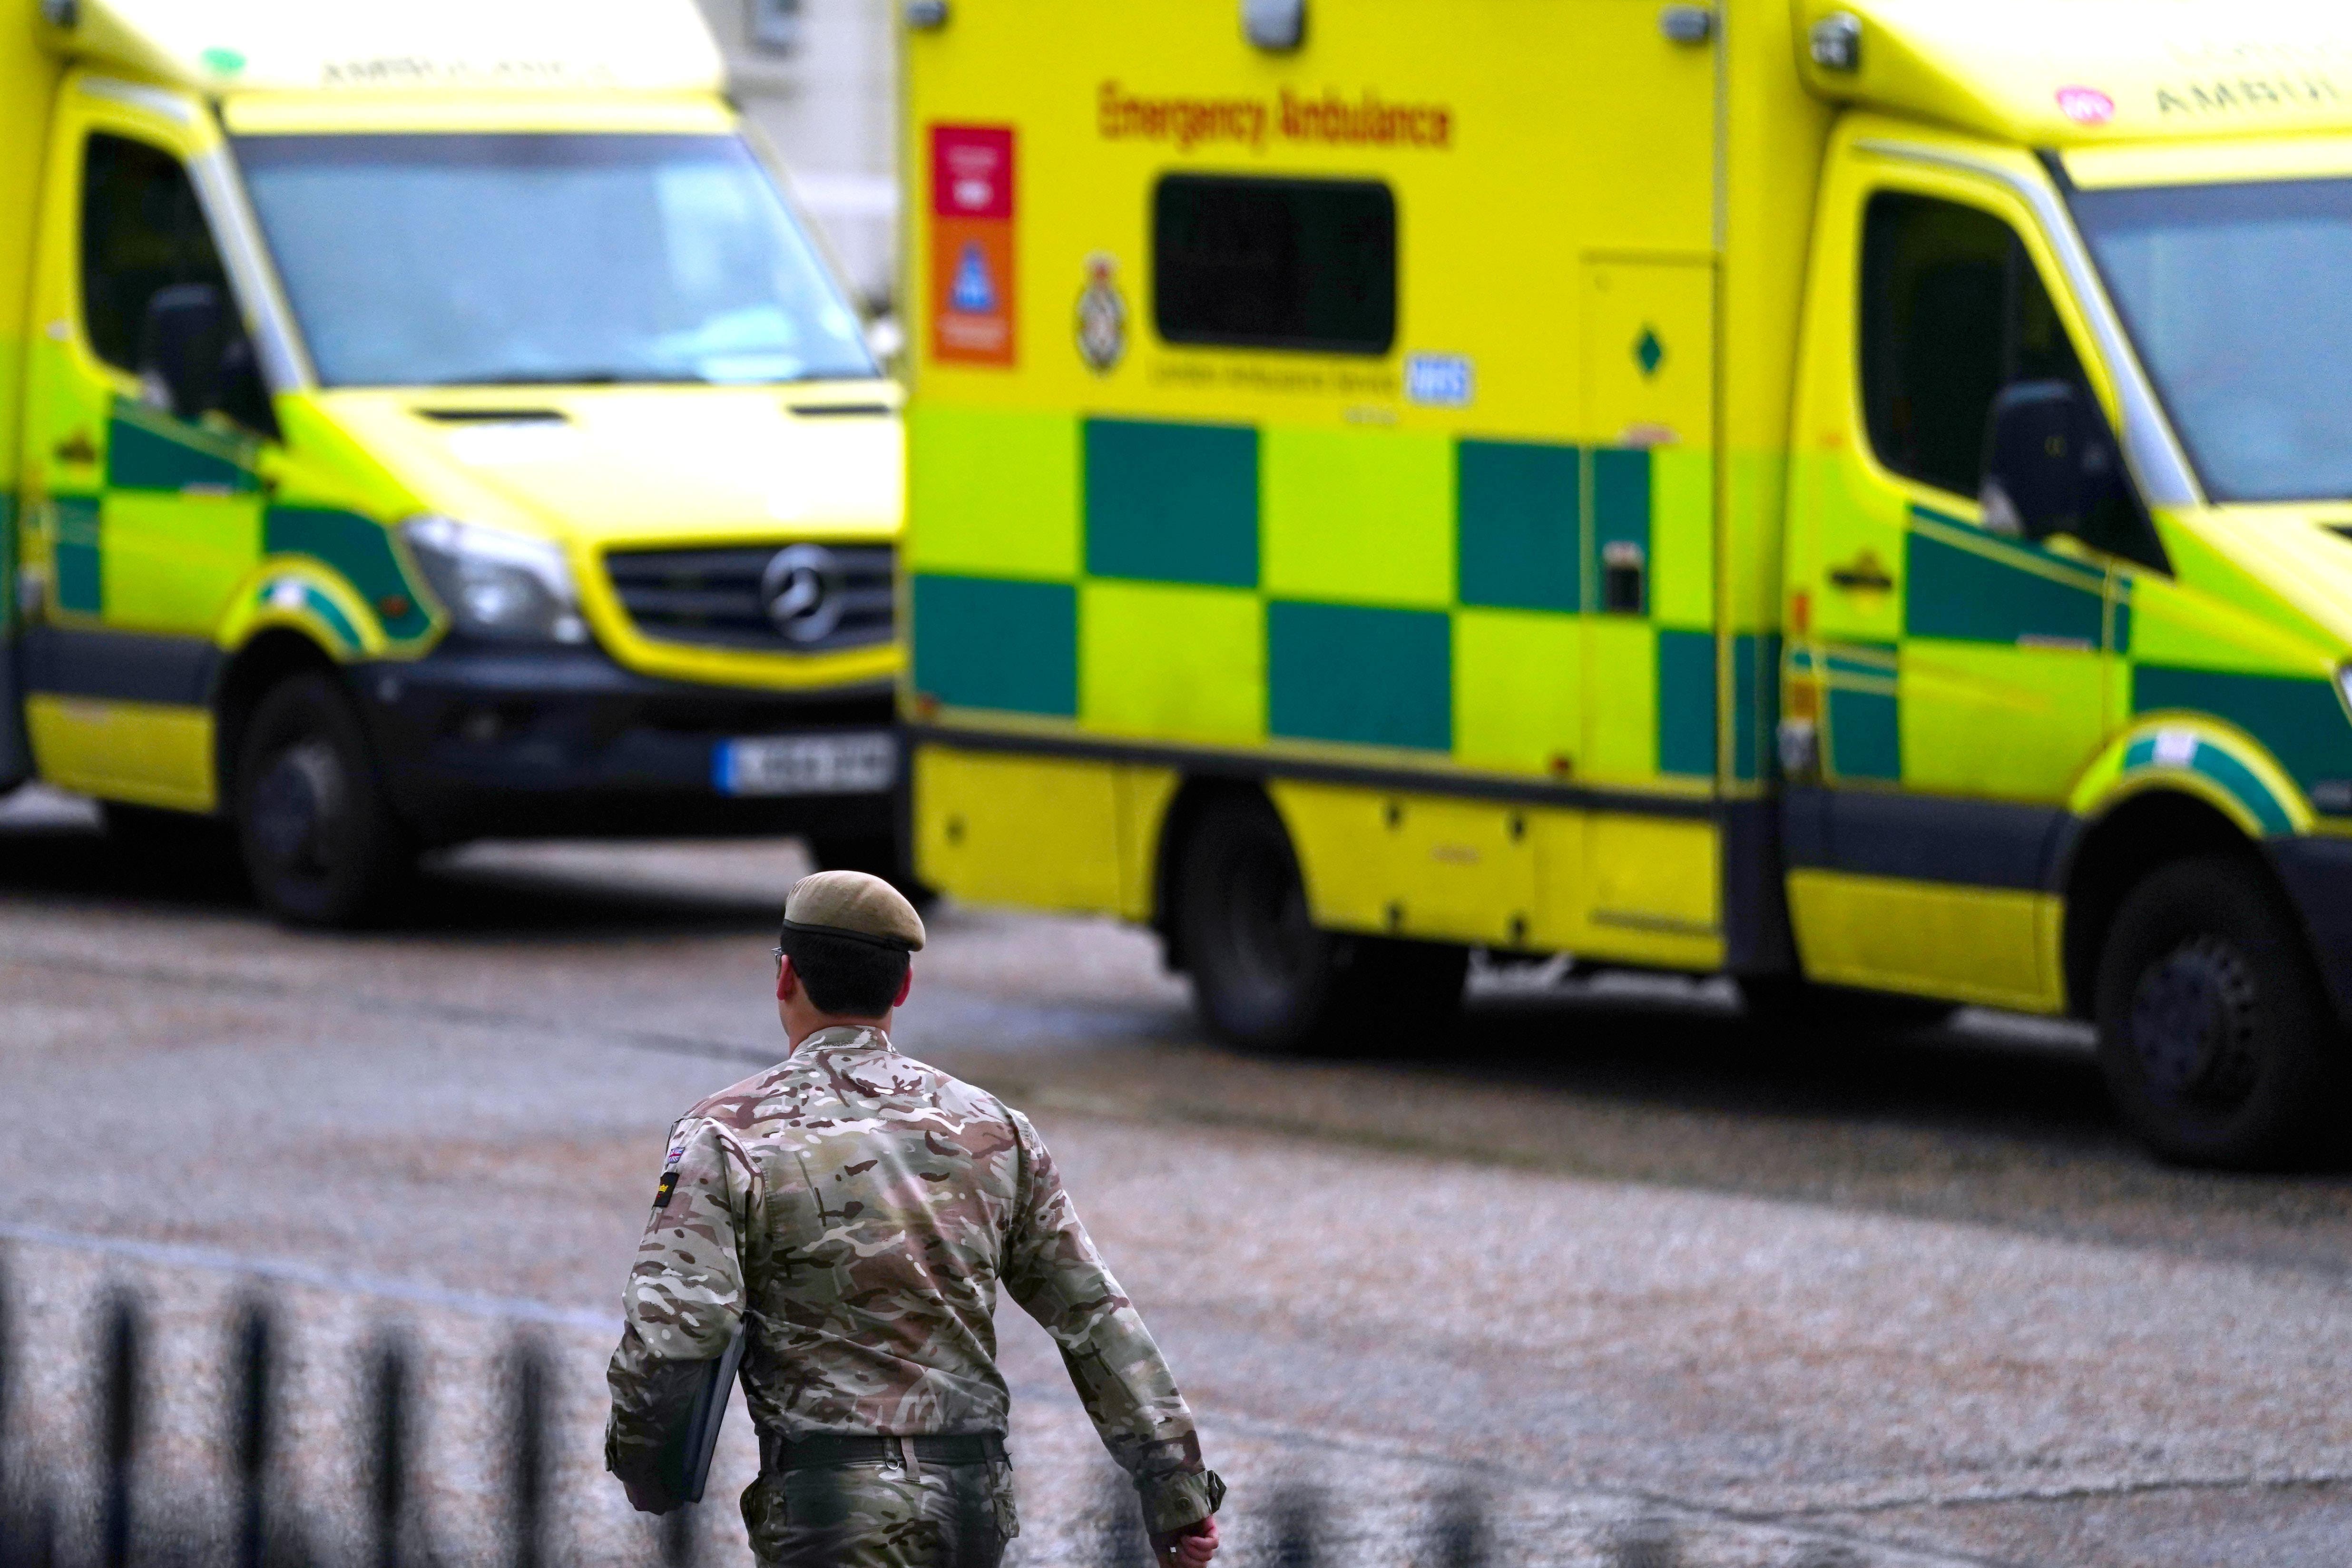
x,y
821,78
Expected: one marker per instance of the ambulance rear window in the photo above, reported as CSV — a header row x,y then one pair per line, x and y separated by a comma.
x,y
1308,265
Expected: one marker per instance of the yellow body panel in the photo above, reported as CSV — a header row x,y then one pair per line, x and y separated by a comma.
x,y
2186,69
144,752
1993,947
991,818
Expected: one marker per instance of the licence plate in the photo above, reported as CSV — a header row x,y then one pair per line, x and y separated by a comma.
x,y
807,765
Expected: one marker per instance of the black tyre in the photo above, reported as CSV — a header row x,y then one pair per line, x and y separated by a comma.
x,y
2215,1034
1790,1002
1265,978
321,845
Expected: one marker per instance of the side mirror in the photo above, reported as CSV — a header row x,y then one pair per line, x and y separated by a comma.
x,y
193,357
2048,460
180,346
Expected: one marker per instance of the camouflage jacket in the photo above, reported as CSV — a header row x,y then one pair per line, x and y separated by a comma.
x,y
860,1209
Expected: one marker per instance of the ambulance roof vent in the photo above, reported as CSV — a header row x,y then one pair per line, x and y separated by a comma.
x,y
1276,24
494,415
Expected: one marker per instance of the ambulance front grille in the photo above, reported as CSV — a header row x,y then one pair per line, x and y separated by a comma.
x,y
769,598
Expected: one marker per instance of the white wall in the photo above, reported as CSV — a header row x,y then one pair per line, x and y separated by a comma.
x,y
830,104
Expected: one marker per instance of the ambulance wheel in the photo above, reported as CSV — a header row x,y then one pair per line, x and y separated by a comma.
x,y
321,845
1266,978
2215,1033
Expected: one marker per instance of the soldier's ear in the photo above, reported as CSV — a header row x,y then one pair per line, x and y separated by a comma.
x,y
787,982
906,983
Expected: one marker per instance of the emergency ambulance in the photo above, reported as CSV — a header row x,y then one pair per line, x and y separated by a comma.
x,y
424,421
1857,497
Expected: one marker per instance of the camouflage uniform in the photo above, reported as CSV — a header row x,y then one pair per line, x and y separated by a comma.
x,y
860,1209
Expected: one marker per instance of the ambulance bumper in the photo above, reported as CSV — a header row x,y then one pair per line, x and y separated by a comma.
x,y
2317,874
479,741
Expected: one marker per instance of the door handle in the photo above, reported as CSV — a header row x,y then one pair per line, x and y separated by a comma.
x,y
1624,578
1863,575
76,449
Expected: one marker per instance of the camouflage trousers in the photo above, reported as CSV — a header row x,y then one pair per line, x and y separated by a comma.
x,y
878,1516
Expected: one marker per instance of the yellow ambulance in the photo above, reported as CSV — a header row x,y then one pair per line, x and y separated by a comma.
x,y
1854,496
424,421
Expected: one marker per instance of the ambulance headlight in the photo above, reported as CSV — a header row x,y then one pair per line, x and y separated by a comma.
x,y
496,583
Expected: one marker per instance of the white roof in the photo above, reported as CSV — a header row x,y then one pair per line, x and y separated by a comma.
x,y
404,46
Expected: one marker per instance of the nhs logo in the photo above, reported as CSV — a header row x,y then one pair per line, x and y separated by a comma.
x,y
1438,381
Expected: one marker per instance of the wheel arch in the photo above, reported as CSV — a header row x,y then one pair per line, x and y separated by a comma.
x,y
1192,800
276,653
2133,838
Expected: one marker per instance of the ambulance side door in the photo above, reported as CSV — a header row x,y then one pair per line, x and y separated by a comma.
x,y
1957,674
148,518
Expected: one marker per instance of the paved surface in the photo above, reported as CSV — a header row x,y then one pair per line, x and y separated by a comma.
x,y
1630,1270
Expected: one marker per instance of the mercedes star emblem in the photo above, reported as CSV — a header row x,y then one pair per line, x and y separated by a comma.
x,y
800,591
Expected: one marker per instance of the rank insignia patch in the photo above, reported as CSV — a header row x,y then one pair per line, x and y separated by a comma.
x,y
662,1193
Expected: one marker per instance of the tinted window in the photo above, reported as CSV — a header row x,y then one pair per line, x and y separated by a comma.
x,y
1952,311
1274,264
2238,299
141,231
429,258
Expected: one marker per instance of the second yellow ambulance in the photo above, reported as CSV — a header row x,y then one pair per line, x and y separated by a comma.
x,y
1858,496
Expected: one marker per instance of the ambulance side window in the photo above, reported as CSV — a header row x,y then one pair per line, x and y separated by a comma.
x,y
141,231
1310,264
1952,311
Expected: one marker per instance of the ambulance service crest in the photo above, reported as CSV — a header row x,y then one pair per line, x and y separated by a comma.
x,y
1102,315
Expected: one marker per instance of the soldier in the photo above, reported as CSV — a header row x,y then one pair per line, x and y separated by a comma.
x,y
856,1210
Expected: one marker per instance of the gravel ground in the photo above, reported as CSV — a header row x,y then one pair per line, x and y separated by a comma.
x,y
1607,1257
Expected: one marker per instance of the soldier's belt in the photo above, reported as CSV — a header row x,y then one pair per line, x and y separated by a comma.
x,y
826,1449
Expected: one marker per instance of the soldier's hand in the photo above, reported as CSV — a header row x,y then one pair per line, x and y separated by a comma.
x,y
1190,1547
648,1499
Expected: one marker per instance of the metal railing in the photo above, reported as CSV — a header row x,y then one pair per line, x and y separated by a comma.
x,y
259,1521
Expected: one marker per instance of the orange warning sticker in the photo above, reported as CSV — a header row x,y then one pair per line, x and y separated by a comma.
x,y
973,279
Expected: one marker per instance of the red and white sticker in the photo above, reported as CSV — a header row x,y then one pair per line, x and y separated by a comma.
x,y
972,282
2085,105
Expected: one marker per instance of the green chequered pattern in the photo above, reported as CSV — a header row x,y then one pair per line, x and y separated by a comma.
x,y
2235,777
1172,503
2298,719
1964,583
1686,703
329,613
1755,700
1368,674
358,547
990,643
1864,717
1521,510
140,456
79,585
1385,588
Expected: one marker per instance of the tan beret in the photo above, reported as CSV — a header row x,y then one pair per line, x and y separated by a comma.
x,y
856,905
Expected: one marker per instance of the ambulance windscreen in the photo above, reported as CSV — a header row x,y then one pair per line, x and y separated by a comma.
x,y
1305,264
2238,298
481,259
